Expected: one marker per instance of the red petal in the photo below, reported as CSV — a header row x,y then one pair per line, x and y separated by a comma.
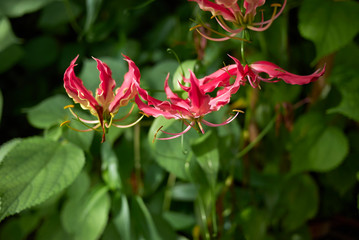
x,y
128,89
76,90
104,93
276,72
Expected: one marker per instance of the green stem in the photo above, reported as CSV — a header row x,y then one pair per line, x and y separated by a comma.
x,y
203,217
258,138
168,193
137,158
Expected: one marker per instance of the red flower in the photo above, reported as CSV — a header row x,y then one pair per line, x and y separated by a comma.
x,y
253,72
229,11
198,104
106,103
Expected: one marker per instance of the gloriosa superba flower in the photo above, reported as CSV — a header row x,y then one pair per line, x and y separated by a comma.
x,y
241,18
199,102
106,103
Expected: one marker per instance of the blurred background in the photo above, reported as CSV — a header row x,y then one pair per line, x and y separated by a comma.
x,y
288,168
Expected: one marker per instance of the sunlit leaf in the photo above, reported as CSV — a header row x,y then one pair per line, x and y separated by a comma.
x,y
6,147
34,170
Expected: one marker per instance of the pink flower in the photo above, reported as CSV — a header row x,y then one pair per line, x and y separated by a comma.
x,y
255,71
229,11
198,104
107,102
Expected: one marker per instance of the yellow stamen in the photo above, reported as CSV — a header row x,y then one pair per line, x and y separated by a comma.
x,y
66,122
69,106
237,110
197,26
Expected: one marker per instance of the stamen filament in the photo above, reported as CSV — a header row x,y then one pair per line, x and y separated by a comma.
x,y
129,125
76,116
126,116
230,119
80,130
175,135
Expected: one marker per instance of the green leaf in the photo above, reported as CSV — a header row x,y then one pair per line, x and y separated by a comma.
x,y
329,24
143,220
49,112
10,56
254,223
317,147
86,217
34,170
300,200
345,76
205,148
179,221
90,75
40,52
92,9
122,218
7,36
18,8
6,147
51,229
156,75
182,163
1,104
57,13
21,227
109,167
182,71
184,192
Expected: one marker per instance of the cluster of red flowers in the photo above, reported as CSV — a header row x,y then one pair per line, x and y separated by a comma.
x,y
200,101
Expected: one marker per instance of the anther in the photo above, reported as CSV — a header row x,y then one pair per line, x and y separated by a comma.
x,y
69,106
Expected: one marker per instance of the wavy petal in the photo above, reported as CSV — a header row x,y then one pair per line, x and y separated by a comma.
x,y
104,93
276,72
251,6
77,91
216,9
129,87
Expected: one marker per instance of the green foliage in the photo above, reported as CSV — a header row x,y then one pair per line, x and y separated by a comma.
x,y
49,112
317,147
35,169
329,24
275,172
86,216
